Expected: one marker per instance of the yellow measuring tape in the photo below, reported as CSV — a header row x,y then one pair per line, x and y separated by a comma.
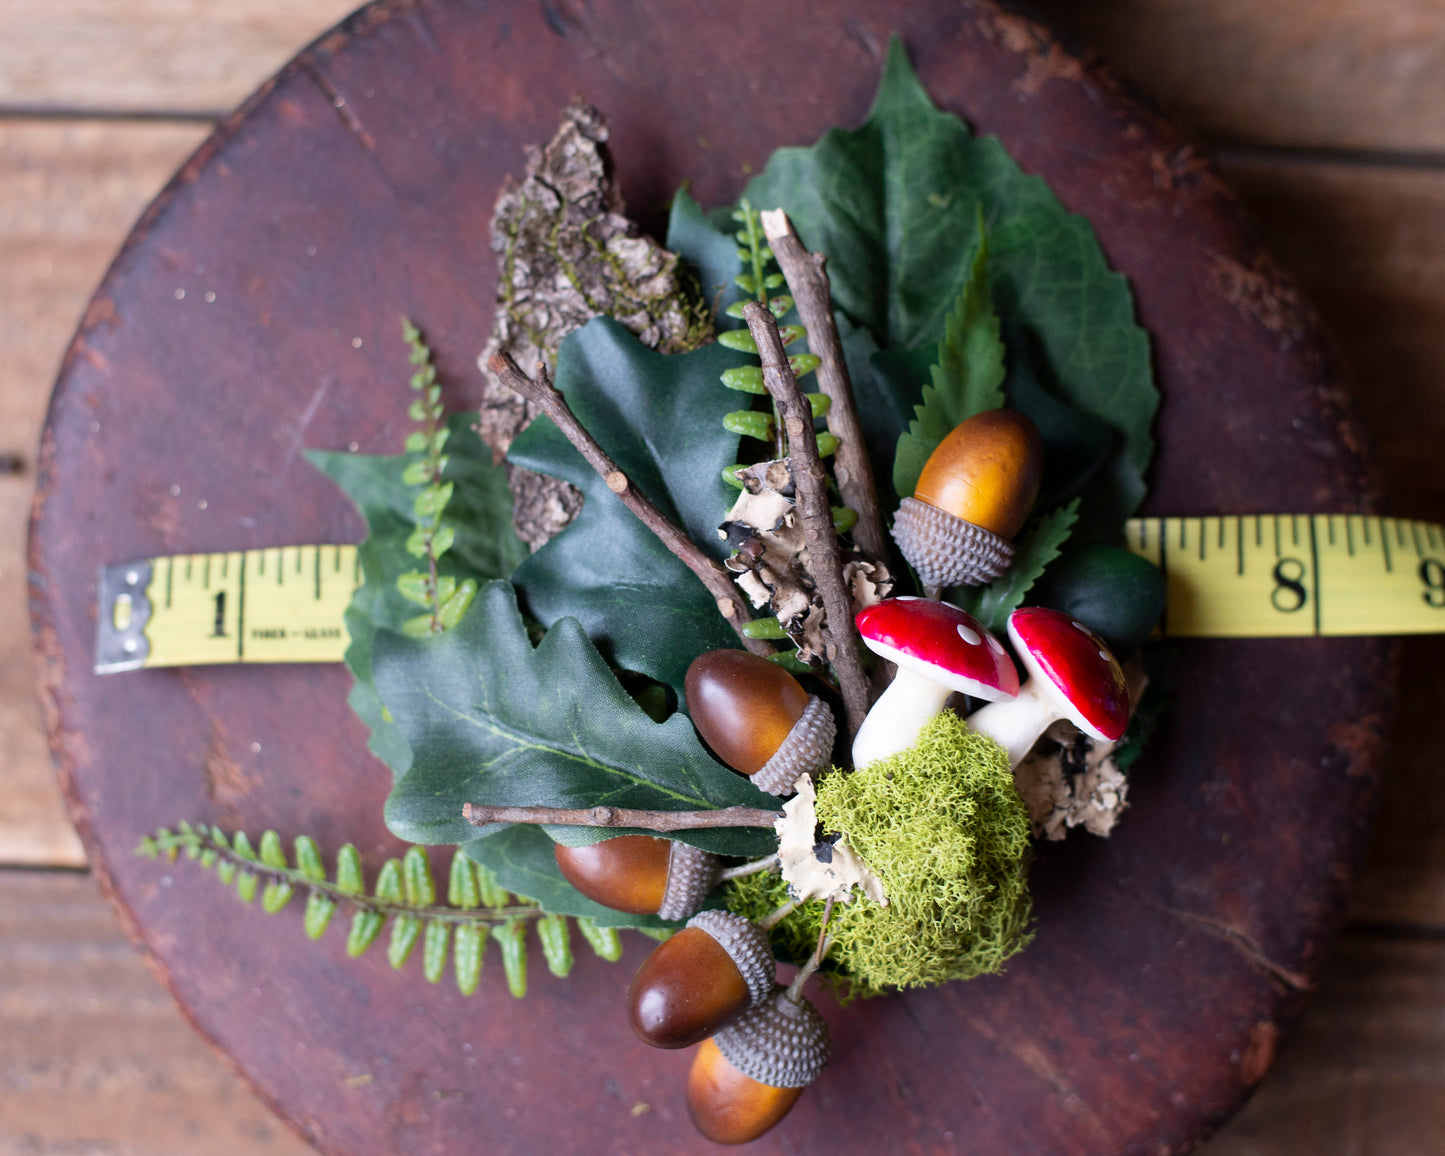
x,y
1250,576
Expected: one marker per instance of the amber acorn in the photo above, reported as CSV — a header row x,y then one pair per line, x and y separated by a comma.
x,y
640,874
758,719
705,976
747,1077
973,495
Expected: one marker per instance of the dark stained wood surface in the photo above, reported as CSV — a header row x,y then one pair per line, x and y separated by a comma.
x,y
1362,1070
251,315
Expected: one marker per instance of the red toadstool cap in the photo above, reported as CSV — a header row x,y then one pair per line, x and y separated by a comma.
x,y
942,643
1067,658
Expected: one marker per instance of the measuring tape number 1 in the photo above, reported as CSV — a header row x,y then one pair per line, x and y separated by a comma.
x,y
1293,575
1247,576
284,604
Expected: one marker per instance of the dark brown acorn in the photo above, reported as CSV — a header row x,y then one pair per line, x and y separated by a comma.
x,y
705,976
640,874
758,718
748,1076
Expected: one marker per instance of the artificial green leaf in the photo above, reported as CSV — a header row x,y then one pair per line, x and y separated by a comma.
x,y
511,937
660,418
270,852
275,896
1038,546
556,944
417,881
490,719
468,946
894,204
710,251
522,858
434,950
486,547
246,886
349,876
308,858
388,883
319,910
462,882
605,941
967,377
405,931
365,927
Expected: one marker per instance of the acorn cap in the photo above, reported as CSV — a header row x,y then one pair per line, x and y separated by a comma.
x,y
807,749
691,874
946,550
747,946
779,1043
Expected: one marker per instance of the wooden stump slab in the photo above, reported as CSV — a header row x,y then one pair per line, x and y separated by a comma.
x,y
252,314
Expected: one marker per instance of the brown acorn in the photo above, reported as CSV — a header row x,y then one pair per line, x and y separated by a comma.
x,y
705,976
758,718
640,874
973,495
748,1076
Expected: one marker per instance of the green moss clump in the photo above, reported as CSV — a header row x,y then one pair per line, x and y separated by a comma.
x,y
944,829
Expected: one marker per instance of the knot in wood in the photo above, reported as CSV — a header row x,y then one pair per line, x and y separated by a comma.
x,y
795,427
616,481
726,607
603,816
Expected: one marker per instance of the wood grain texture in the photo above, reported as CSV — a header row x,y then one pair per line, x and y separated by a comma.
x,y
1335,74
71,191
93,1055
178,57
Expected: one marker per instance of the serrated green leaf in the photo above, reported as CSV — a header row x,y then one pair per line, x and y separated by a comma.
x,y
1037,547
456,604
511,937
486,547
893,205
660,418
967,378
350,878
489,887
275,896
388,882
462,882
271,853
468,950
556,944
434,950
365,927
492,720
420,887
308,858
405,931
605,941
319,910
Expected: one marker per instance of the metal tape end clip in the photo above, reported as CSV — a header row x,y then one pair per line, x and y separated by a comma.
x,y
120,640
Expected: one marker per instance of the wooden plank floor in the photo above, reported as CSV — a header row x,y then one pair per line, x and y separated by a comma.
x,y
1329,119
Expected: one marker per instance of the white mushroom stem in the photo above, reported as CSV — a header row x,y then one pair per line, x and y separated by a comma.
x,y
900,713
1016,723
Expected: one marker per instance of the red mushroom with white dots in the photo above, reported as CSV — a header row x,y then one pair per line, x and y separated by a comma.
x,y
1072,675
938,649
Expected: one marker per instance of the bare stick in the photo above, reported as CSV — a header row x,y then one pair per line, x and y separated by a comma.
x,y
777,915
826,568
711,574
744,869
825,945
479,815
808,279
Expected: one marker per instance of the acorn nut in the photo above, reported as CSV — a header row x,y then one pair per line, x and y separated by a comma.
x,y
640,874
747,1077
705,976
758,719
973,495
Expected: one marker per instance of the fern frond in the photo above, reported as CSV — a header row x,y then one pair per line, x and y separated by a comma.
x,y
477,907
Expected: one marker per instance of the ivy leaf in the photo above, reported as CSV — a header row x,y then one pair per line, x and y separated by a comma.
x,y
1039,546
486,547
894,204
966,379
522,860
491,720
660,418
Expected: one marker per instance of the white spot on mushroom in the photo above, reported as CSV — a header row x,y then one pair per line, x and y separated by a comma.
x,y
968,635
907,598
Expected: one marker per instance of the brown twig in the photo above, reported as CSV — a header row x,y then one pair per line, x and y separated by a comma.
x,y
825,945
542,393
808,279
826,568
479,815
